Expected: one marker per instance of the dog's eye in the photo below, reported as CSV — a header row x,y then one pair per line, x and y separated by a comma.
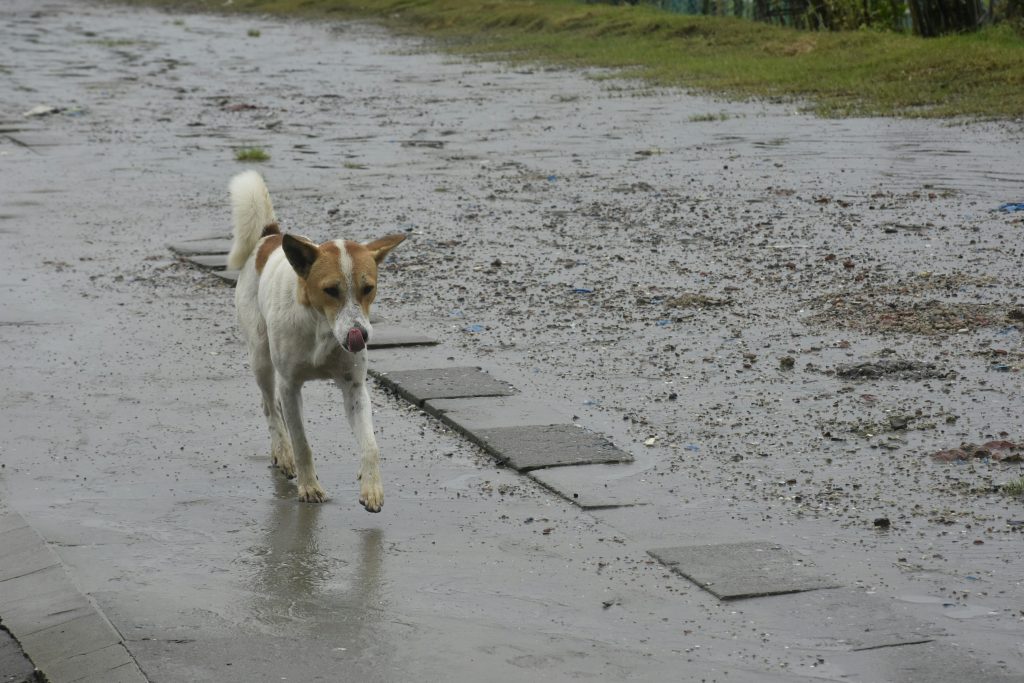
x,y
367,290
332,291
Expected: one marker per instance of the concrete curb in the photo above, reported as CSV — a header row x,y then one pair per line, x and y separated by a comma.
x,y
61,630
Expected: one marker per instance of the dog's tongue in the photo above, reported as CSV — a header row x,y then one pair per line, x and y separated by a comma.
x,y
356,343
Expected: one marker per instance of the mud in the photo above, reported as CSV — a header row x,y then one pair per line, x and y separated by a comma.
x,y
577,235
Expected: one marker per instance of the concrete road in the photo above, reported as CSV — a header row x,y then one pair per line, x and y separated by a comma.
x,y
555,218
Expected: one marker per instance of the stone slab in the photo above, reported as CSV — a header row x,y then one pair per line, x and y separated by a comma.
x,y
596,486
99,662
846,619
418,386
50,647
9,521
58,628
38,610
213,261
938,662
386,335
22,552
218,245
535,447
731,571
229,276
14,665
129,673
471,414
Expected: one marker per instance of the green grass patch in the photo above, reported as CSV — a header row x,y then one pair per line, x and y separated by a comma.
x,y
1014,488
253,33
837,73
251,154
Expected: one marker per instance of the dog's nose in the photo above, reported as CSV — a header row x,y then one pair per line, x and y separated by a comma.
x,y
357,337
363,331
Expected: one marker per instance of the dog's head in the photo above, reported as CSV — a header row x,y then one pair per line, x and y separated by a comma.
x,y
339,278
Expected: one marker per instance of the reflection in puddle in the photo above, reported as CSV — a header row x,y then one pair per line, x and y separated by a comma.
x,y
318,581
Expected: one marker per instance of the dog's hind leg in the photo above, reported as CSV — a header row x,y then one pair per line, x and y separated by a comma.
x,y
290,396
360,418
280,445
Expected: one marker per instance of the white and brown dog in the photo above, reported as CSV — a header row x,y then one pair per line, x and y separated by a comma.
x,y
304,310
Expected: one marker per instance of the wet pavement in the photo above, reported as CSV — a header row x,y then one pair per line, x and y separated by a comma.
x,y
722,297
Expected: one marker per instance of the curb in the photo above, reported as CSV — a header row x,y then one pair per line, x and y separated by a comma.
x,y
61,630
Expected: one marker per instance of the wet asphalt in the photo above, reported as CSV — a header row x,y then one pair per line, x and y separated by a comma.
x,y
684,275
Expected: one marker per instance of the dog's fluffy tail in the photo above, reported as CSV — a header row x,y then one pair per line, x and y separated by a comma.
x,y
252,212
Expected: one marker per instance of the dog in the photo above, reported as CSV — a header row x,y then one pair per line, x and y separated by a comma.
x,y
304,311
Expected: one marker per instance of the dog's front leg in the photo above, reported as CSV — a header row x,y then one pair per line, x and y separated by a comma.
x,y
360,418
291,407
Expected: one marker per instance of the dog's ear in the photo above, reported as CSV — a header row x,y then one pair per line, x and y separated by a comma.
x,y
300,253
380,248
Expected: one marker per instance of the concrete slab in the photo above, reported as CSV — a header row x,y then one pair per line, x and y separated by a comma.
x,y
58,628
15,667
218,245
471,414
386,335
10,521
731,571
129,673
530,448
847,619
96,663
418,386
213,261
38,610
51,647
22,552
230,276
597,486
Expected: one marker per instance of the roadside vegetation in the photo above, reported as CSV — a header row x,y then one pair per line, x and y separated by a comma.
x,y
251,154
866,71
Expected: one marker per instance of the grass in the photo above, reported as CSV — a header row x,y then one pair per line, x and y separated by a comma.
x,y
1014,488
251,154
839,73
699,118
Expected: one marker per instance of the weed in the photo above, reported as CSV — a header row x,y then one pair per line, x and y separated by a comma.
x,y
251,154
253,33
698,118
1014,488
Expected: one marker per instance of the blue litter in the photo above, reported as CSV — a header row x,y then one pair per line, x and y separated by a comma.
x,y
552,178
474,329
591,402
1000,367
663,323
1010,207
582,290
456,313
692,447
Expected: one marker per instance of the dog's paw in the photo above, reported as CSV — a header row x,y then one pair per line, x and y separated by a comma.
x,y
283,460
311,494
287,467
371,496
